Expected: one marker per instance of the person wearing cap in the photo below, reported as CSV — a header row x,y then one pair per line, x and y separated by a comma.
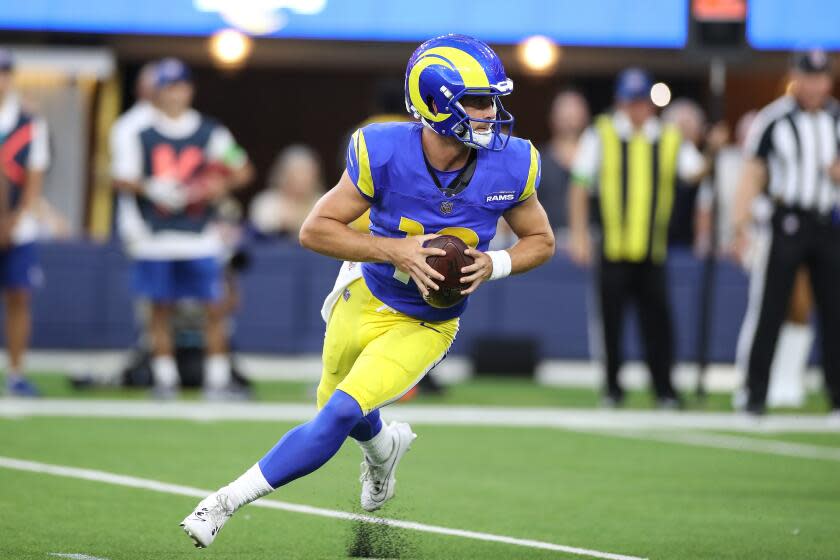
x,y
175,170
630,161
24,157
791,154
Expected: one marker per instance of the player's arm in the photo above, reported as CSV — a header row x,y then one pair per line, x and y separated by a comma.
x,y
241,176
754,175
125,161
326,230
586,164
752,181
535,246
692,165
31,193
39,158
223,149
580,243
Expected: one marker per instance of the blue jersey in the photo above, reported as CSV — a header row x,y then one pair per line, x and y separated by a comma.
x,y
386,163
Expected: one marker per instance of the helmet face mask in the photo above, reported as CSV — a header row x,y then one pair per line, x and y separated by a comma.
x,y
493,137
445,74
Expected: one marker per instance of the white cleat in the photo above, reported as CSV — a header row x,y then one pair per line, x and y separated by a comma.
x,y
379,481
208,518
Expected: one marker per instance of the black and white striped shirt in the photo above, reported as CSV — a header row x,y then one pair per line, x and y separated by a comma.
x,y
798,147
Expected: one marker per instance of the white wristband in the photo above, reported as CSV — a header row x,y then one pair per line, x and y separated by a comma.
x,y
501,264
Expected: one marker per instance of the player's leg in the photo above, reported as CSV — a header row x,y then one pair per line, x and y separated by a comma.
x,y
771,283
201,279
301,451
790,361
612,291
306,447
346,334
164,367
388,367
825,279
153,281
654,310
20,267
18,327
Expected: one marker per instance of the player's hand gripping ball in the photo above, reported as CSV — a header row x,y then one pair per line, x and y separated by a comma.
x,y
449,265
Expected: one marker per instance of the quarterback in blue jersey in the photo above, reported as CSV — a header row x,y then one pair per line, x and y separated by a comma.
x,y
456,172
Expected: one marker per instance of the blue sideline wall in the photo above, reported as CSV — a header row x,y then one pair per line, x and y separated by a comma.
x,y
85,303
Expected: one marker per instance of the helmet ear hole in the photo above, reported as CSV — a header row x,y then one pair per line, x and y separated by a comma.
x,y
430,103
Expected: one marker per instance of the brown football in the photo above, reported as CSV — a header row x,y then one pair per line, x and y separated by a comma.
x,y
450,266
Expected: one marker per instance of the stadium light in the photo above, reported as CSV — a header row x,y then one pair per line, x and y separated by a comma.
x,y
230,47
538,54
660,94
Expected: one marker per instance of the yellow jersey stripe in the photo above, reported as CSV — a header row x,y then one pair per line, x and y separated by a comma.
x,y
365,182
531,183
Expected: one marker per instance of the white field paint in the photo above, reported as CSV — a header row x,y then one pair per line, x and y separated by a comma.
x,y
736,443
157,486
75,556
570,419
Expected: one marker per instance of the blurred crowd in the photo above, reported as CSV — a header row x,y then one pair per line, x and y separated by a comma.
x,y
182,222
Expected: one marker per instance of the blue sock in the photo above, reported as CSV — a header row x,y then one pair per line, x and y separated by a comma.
x,y
367,427
307,447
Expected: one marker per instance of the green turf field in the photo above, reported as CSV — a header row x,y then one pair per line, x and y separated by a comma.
x,y
490,391
595,491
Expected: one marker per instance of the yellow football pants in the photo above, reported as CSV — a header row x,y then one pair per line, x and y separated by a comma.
x,y
376,354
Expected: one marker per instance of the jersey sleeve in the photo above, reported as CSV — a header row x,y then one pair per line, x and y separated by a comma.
x,y
587,160
222,147
532,180
39,153
359,164
759,140
126,154
690,162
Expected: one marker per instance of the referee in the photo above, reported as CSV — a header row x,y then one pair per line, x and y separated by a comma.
x,y
792,150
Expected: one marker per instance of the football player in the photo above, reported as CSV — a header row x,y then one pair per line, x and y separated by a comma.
x,y
172,173
455,172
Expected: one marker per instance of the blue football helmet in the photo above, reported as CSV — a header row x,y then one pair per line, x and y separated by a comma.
x,y
445,69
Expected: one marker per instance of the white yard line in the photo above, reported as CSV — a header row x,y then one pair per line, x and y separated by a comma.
x,y
671,427
157,486
75,556
570,419
735,443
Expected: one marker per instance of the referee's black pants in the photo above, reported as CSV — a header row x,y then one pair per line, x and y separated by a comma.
x,y
645,284
797,237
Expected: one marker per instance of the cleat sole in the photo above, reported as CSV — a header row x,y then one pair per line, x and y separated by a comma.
x,y
195,541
